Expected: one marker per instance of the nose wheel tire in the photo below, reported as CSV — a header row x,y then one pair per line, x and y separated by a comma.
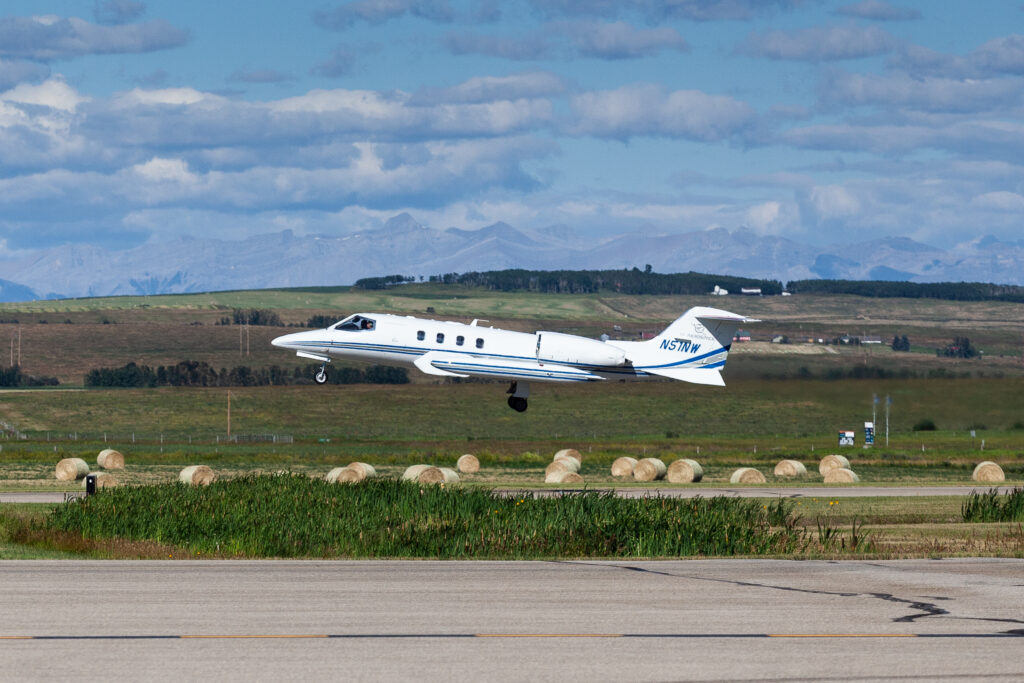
x,y
321,377
517,403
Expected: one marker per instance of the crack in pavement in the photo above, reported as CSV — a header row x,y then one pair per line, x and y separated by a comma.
x,y
923,609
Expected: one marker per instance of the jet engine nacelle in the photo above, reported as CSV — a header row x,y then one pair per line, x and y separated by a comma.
x,y
556,347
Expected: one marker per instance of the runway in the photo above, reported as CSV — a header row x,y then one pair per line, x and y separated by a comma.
x,y
959,619
851,491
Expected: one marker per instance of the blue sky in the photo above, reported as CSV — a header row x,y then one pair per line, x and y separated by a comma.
x,y
123,121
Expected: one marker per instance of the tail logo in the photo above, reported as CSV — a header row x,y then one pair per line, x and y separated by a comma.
x,y
679,345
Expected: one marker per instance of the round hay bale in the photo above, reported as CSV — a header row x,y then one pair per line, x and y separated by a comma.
x,y
430,475
790,468
197,475
468,463
988,471
349,475
841,475
104,480
70,469
569,453
649,469
568,464
109,459
412,473
563,478
332,476
685,471
558,466
450,475
367,471
747,475
831,462
623,467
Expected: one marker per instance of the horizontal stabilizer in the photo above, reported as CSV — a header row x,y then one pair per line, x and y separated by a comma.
x,y
695,375
425,364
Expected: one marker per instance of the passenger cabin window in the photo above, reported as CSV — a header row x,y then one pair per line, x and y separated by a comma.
x,y
355,323
460,340
440,337
421,335
479,342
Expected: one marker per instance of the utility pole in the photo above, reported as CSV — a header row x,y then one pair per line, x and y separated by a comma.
x,y
19,346
888,403
874,410
229,413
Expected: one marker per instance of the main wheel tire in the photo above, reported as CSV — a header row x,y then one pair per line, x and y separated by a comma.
x,y
517,403
321,377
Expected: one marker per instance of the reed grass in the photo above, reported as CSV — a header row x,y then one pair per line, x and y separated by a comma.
x,y
291,515
994,507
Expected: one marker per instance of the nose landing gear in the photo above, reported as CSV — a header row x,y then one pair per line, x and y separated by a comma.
x,y
321,376
517,401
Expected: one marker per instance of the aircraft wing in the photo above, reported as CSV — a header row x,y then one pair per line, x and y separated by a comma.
x,y
464,365
426,362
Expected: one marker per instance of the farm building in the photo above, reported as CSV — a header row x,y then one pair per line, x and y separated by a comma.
x,y
741,336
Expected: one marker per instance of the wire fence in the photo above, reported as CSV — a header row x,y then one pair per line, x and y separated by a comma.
x,y
11,434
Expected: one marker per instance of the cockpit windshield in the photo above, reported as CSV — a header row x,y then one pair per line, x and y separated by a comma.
x,y
355,323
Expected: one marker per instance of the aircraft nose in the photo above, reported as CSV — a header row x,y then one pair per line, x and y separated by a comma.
x,y
283,341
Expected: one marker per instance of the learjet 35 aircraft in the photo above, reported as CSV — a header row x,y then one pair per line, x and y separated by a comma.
x,y
692,349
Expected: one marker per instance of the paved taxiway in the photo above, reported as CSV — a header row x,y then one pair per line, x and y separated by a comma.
x,y
687,492
958,619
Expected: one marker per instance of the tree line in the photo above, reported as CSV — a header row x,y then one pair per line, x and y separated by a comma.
x,y
13,377
191,373
646,281
950,291
626,281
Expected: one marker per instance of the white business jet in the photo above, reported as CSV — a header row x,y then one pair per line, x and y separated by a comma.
x,y
692,349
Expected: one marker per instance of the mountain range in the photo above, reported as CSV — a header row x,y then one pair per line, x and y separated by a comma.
x,y
404,246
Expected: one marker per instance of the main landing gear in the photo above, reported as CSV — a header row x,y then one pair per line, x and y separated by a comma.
x,y
321,376
517,401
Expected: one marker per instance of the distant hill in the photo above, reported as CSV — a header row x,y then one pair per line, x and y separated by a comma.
x,y
403,245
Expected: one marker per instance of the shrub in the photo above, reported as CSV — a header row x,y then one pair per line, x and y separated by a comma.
x,y
925,425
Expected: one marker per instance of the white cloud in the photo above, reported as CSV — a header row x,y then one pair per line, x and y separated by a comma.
x,y
531,84
166,170
1010,202
927,93
648,110
821,44
346,15
46,38
832,202
619,40
877,10
54,93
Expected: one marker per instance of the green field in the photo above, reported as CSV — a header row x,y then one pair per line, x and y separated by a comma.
x,y
757,420
66,338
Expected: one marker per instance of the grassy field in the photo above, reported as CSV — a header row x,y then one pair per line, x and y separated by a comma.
x,y
756,421
162,330
250,518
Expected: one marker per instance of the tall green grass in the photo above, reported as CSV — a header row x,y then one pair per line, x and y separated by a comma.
x,y
994,507
294,516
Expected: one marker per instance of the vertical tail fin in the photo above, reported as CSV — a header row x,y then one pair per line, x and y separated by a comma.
x,y
694,348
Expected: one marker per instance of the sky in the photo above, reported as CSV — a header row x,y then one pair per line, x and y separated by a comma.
x,y
125,122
